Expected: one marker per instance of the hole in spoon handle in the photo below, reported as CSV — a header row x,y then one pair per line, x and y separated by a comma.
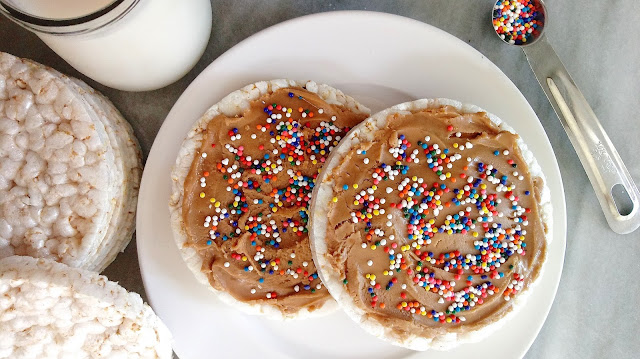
x,y
622,200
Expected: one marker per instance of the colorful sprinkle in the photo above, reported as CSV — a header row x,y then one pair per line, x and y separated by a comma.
x,y
517,21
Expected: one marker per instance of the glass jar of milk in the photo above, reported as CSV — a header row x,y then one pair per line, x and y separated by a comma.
x,y
133,45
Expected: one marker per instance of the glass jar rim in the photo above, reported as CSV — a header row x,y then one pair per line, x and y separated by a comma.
x,y
69,26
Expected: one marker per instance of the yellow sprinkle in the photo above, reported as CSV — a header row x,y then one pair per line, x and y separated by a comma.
x,y
483,186
475,234
448,174
356,202
455,145
374,187
376,212
202,195
212,200
369,215
355,185
367,276
235,203
443,156
244,258
386,272
323,152
290,158
404,304
274,209
289,110
448,320
418,268
373,277
218,204
414,178
335,199
449,231
373,247
315,162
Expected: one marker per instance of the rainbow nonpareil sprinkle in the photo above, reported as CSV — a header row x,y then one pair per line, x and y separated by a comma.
x,y
518,21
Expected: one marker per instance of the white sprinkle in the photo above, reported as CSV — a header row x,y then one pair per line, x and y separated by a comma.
x,y
369,262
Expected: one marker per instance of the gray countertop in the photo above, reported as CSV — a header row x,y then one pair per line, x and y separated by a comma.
x,y
595,313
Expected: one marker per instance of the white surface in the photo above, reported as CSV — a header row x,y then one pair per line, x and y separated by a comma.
x,y
346,54
150,47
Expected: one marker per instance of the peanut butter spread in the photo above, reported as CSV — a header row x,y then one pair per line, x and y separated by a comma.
x,y
247,194
435,225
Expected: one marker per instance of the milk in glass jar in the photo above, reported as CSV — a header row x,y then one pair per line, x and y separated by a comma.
x,y
133,45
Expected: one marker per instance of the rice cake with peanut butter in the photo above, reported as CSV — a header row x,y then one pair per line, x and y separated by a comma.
x,y
241,188
430,224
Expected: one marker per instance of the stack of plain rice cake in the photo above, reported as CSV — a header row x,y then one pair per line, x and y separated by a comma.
x,y
70,168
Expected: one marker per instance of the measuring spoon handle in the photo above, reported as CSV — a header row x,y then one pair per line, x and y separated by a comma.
x,y
601,161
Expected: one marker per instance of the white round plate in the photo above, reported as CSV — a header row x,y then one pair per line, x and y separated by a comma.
x,y
381,60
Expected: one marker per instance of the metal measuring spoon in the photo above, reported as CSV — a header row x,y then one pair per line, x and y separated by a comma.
x,y
614,187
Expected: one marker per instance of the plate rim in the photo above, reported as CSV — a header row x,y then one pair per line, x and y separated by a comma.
x,y
559,205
